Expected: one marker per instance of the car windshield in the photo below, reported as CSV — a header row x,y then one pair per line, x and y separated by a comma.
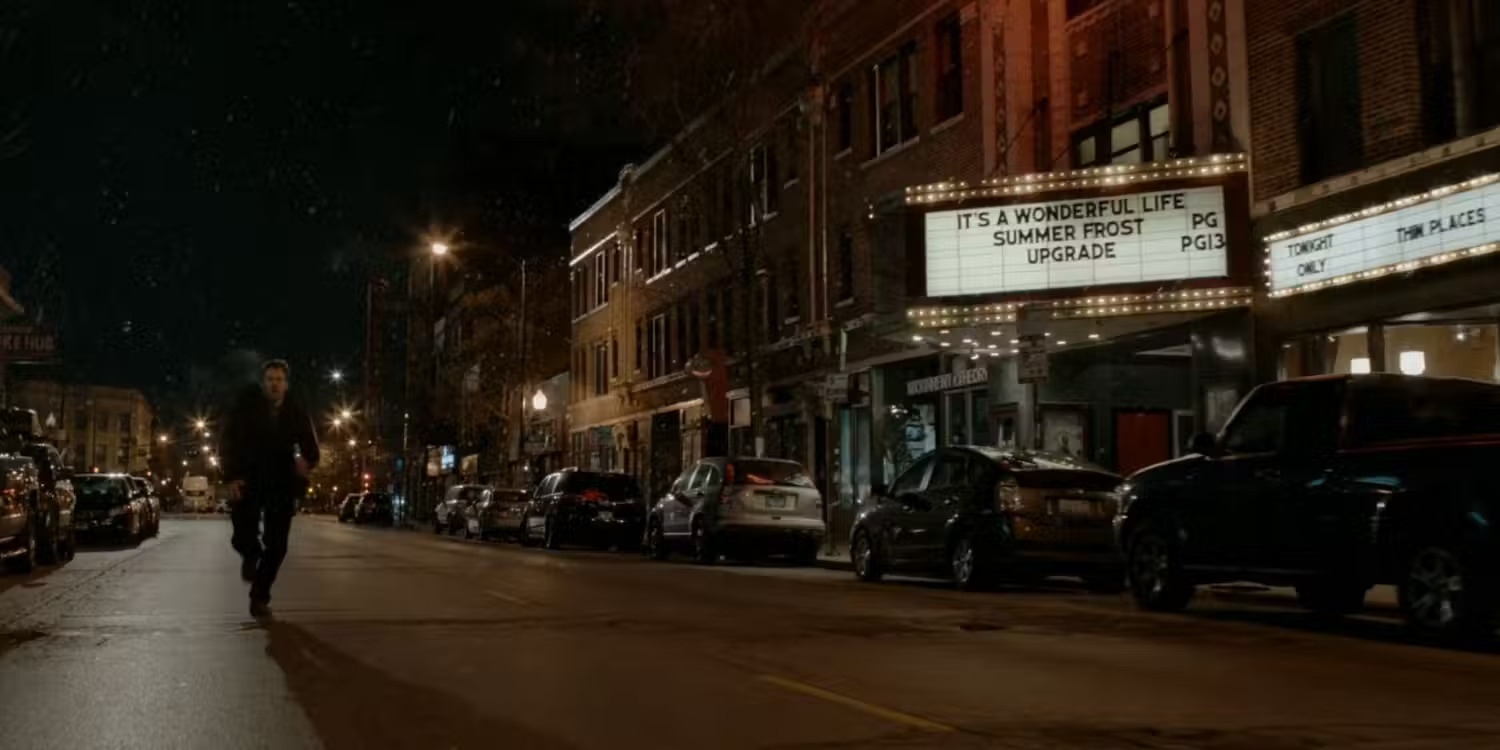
x,y
618,486
761,472
470,494
88,487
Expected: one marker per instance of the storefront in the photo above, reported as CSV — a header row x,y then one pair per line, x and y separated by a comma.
x,y
1127,287
1397,275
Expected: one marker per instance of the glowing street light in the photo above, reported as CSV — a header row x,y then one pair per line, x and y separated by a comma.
x,y
539,400
201,425
438,248
338,421
346,414
161,438
336,376
353,442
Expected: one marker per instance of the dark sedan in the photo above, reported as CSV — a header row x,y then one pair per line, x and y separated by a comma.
x,y
975,514
375,508
108,506
600,509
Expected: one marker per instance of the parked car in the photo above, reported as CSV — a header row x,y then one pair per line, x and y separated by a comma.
x,y
1332,485
375,508
975,514
601,509
743,507
348,507
55,502
496,514
19,520
449,514
151,506
108,506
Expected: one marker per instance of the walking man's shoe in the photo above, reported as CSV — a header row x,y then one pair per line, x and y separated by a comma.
x,y
259,609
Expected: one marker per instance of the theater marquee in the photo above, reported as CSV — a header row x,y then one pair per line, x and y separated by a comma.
x,y
1157,236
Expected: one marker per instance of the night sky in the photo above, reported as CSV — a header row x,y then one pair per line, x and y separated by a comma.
x,y
184,180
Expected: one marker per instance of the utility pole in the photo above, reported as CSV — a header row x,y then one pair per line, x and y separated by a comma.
x,y
521,423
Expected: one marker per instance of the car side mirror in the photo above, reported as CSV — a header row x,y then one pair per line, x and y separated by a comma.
x,y
1204,444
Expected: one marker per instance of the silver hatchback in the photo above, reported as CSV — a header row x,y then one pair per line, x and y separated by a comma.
x,y
739,507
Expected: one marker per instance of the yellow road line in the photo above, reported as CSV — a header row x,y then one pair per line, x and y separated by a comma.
x,y
888,714
504,597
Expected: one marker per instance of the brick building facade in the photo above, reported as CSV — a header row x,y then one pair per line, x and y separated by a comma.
x,y
807,213
1375,190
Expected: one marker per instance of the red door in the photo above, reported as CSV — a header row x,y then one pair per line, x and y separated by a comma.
x,y
1142,438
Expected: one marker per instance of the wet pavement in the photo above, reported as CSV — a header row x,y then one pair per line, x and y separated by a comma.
x,y
403,639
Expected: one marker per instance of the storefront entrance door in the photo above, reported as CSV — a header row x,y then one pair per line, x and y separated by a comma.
x,y
1142,438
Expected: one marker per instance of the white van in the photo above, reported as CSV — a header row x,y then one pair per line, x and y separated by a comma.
x,y
196,497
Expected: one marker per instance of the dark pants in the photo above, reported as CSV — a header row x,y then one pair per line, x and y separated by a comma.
x,y
268,547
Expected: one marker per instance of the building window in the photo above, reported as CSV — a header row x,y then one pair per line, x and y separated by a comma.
x,y
726,306
793,291
950,68
640,345
694,331
791,149
894,103
656,348
679,350
711,319
614,357
844,117
1329,131
601,369
1453,36
846,265
81,420
124,424
661,252
601,280
769,307
615,263
728,214
764,184
1141,135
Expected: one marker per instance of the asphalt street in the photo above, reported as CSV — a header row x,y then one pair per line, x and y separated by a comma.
x,y
403,639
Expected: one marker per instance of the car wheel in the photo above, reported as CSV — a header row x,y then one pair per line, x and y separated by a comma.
x,y
551,533
869,561
966,564
1442,595
1333,596
656,542
703,545
1154,563
26,562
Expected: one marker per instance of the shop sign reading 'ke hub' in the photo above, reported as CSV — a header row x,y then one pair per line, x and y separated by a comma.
x,y
1158,236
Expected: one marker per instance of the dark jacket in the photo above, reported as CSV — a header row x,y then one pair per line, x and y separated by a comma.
x,y
258,445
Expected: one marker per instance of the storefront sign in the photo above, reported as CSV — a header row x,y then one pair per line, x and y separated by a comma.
x,y
1031,359
971,376
1159,236
27,344
1456,221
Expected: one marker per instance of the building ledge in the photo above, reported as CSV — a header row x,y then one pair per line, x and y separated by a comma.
x,y
1380,172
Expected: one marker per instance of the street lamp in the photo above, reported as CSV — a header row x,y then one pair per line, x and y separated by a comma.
x,y
336,376
438,248
539,400
337,422
201,424
353,442
346,414
161,439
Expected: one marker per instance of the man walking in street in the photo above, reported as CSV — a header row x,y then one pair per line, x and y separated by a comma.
x,y
268,449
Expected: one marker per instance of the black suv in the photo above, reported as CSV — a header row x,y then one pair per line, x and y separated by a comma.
x,y
36,509
602,509
1333,485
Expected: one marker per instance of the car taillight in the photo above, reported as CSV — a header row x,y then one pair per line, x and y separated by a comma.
x,y
594,496
1007,496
